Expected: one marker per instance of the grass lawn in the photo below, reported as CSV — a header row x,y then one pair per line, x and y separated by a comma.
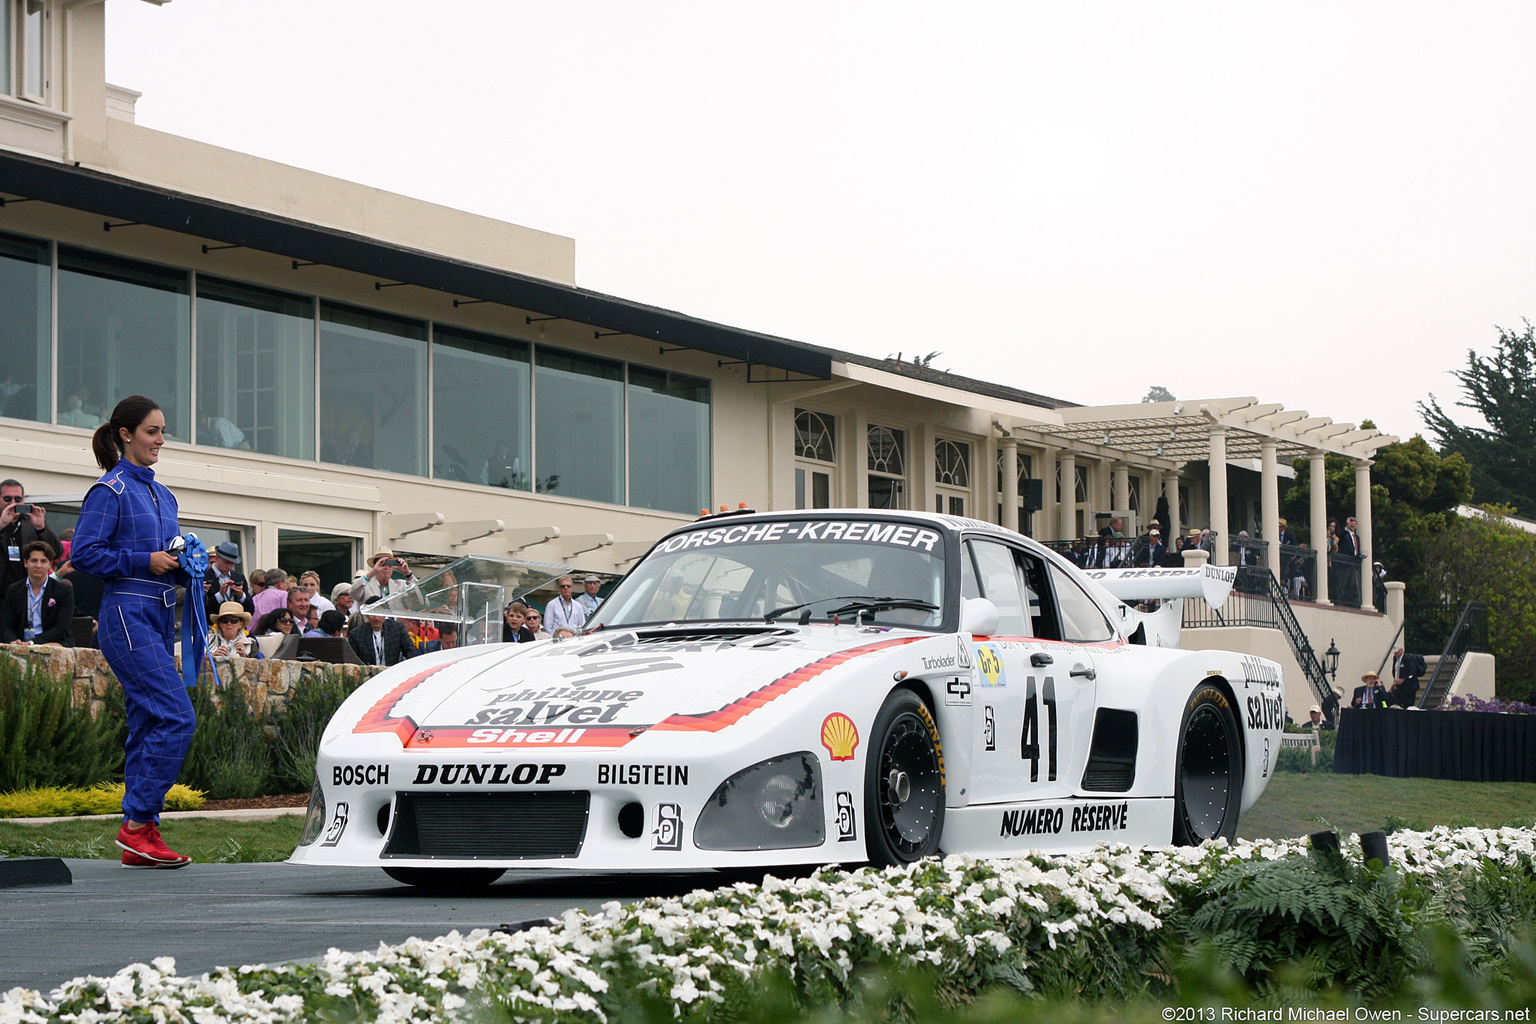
x,y
205,840
1289,807
1359,803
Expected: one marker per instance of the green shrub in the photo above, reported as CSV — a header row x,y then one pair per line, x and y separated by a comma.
x,y
230,756
107,798
46,739
299,726
1299,759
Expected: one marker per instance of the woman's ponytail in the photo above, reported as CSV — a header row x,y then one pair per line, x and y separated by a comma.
x,y
106,444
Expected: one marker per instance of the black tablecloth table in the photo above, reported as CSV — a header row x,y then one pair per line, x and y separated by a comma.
x,y
1469,746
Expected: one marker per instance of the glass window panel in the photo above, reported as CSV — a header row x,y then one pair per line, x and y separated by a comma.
x,y
373,382
669,440
124,329
5,47
24,329
255,369
1082,620
1000,584
33,49
580,425
482,390
815,436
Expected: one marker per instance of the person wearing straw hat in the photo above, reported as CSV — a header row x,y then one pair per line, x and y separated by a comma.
x,y
1370,693
229,637
386,576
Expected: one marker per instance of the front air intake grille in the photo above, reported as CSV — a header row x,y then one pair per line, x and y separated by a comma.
x,y
494,826
1112,757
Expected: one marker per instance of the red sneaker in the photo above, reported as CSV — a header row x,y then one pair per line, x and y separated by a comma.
x,y
147,849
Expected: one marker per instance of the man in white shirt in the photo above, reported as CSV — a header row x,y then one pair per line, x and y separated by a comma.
x,y
563,611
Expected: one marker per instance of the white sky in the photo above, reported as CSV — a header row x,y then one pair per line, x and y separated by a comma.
x,y
1320,204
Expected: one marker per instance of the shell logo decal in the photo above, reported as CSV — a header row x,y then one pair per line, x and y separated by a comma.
x,y
840,736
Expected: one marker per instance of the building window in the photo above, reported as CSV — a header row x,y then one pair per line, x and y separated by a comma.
x,y
1134,482
333,557
255,369
815,437
482,390
26,345
951,475
24,39
124,329
669,436
887,467
579,426
816,457
373,382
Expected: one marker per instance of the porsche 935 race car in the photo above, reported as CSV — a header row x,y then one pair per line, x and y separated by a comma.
x,y
806,688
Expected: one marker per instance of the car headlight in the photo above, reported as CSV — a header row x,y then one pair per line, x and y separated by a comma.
x,y
314,821
773,805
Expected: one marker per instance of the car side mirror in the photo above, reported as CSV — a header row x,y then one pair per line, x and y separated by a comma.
x,y
978,615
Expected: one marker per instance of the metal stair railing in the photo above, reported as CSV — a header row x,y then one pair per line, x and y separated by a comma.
x,y
1468,634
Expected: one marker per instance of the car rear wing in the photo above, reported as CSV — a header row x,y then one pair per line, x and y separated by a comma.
x,y
1212,582
1160,626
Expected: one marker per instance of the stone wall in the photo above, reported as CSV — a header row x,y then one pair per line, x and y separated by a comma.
x,y
267,684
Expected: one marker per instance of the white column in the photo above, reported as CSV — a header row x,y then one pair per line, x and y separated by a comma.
x,y
1120,488
1171,490
1050,518
1067,498
1363,517
1319,526
1010,495
1269,504
1218,464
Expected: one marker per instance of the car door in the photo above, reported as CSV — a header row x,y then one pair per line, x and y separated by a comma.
x,y
1032,716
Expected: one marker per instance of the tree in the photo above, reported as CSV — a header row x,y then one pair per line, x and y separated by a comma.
x,y
1490,560
1502,389
1414,494
1158,393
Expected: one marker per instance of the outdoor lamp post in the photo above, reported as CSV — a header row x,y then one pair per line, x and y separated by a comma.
x,y
1332,654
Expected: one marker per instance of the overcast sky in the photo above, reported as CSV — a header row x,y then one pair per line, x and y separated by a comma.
x,y
1319,204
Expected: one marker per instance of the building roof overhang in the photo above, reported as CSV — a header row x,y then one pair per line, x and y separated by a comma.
x,y
73,187
1181,431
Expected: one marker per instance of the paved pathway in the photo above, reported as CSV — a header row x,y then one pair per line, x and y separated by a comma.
x,y
207,915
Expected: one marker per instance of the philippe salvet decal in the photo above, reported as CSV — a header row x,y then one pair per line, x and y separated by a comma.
x,y
555,705
847,822
1257,670
642,775
502,774
989,729
1038,821
668,833
1266,712
957,691
904,536
338,826
360,775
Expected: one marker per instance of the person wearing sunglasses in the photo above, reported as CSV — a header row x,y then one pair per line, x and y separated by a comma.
x,y
21,523
565,612
228,638
278,620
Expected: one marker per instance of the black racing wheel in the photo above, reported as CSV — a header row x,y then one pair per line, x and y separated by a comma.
x,y
1208,776
446,878
903,783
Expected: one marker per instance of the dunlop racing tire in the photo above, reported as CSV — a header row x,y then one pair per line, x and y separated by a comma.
x,y
903,783
1208,775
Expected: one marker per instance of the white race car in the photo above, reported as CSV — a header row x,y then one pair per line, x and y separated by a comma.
x,y
805,688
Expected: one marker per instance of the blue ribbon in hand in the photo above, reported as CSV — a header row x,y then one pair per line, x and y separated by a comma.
x,y
194,617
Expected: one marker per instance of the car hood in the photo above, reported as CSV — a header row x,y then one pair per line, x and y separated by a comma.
x,y
603,690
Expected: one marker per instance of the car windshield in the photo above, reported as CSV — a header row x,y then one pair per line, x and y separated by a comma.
x,y
886,573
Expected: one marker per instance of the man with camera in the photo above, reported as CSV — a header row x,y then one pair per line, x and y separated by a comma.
x,y
386,576
20,525
224,582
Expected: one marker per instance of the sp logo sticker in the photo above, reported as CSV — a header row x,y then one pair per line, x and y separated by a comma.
x,y
957,691
847,822
989,729
990,666
338,826
668,833
840,736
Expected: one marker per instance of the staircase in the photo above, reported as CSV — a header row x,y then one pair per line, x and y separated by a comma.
x,y
1469,634
1301,647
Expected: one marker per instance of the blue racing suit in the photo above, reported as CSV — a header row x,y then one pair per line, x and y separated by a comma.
x,y
127,516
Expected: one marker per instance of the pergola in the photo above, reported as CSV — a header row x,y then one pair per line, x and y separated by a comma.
x,y
1221,429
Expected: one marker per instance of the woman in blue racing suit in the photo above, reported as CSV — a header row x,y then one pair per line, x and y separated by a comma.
x,y
127,521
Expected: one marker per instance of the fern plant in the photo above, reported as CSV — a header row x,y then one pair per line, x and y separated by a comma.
x,y
1342,925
